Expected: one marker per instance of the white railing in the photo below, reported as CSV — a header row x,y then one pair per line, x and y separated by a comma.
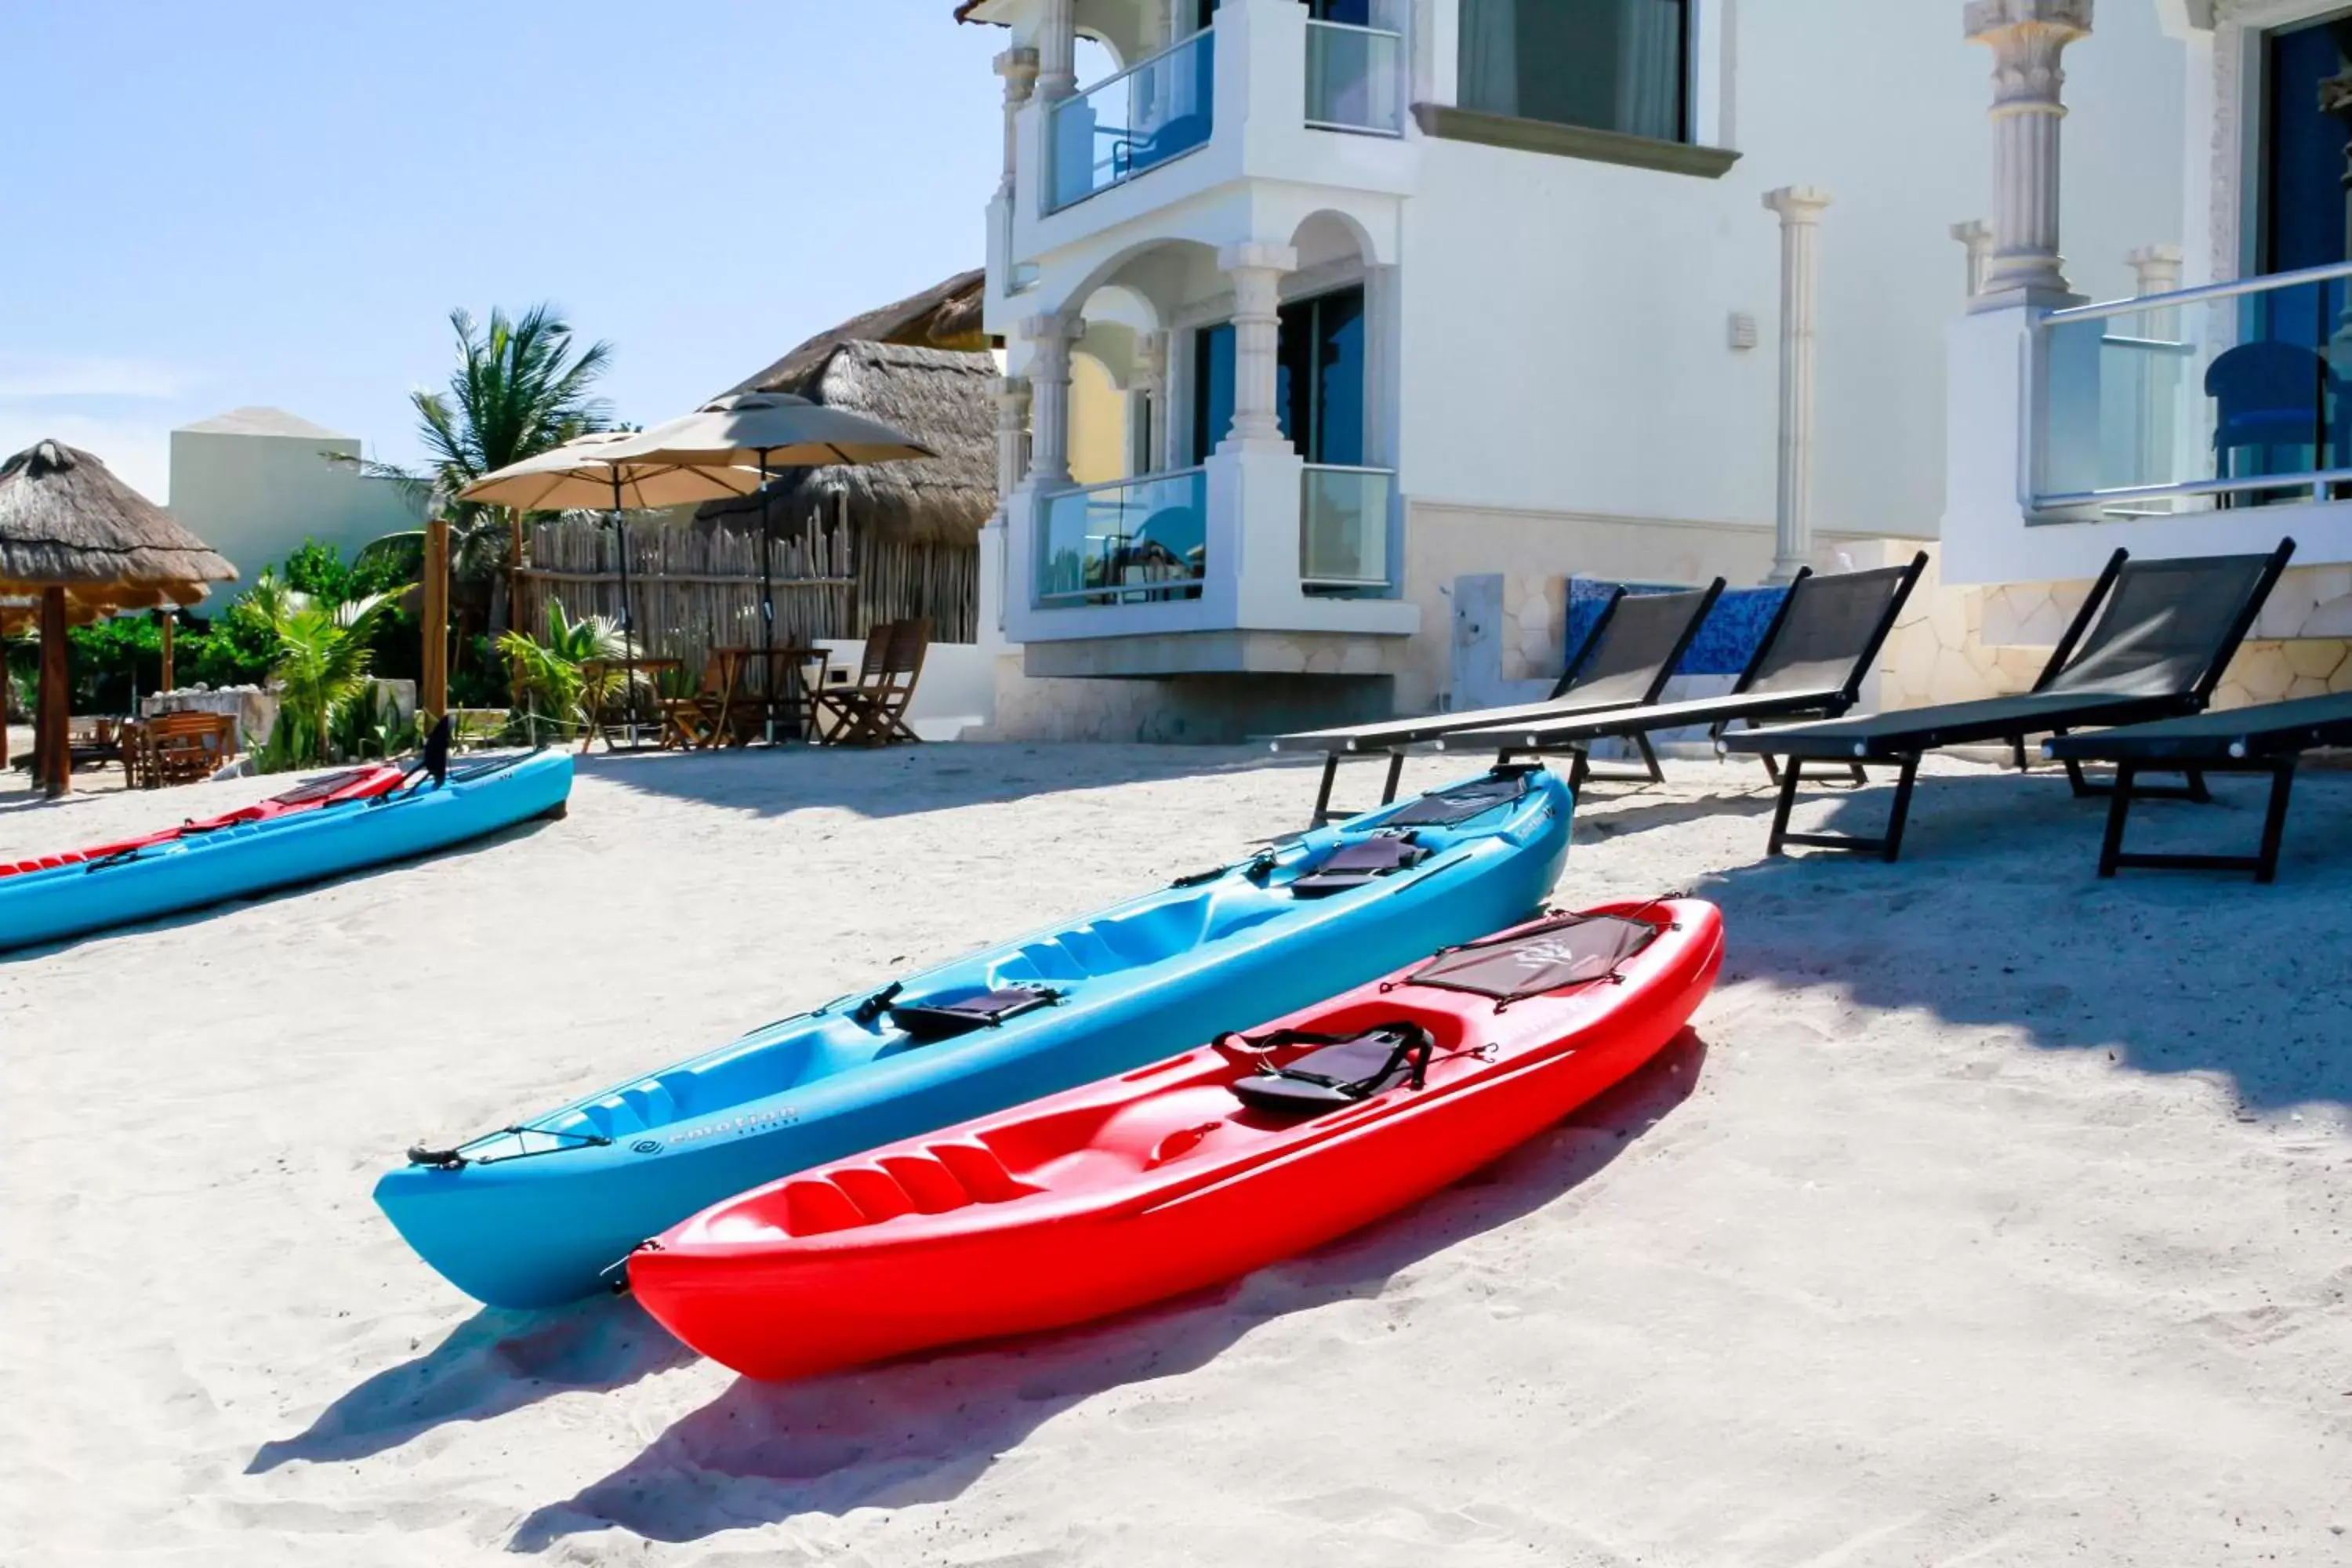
x,y
1137,541
2202,397
1157,109
1343,528
1355,78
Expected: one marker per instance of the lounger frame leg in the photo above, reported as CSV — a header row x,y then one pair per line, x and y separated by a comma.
x,y
2263,863
1788,781
1887,846
1396,773
1323,795
1581,772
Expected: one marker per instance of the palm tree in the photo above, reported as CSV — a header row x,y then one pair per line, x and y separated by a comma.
x,y
520,388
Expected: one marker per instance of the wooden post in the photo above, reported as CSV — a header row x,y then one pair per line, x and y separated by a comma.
x,y
170,621
514,565
53,747
433,699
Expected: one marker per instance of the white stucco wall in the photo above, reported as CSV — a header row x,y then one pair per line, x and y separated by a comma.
x,y
254,498
1565,324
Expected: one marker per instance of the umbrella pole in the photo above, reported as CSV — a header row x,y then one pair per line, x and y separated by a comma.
x,y
628,616
767,611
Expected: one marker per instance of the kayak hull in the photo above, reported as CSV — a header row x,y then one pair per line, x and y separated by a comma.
x,y
244,858
1143,1187
546,1215
332,789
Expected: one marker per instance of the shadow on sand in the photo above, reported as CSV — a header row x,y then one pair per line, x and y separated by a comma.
x,y
1996,916
899,781
494,1361
923,1429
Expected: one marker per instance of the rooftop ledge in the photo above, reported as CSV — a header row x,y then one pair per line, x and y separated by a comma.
x,y
1572,141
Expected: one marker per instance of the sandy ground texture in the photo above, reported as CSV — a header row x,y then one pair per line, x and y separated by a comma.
x,y
1991,1214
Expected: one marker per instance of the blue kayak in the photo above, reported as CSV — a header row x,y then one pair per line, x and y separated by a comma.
x,y
535,1213
240,859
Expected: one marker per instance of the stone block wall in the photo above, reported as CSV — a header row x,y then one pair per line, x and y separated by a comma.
x,y
1957,644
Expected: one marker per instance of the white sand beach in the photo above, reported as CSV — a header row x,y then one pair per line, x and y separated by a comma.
x,y
1990,1214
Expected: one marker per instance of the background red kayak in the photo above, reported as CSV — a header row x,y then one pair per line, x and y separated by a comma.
x,y
1159,1182
329,789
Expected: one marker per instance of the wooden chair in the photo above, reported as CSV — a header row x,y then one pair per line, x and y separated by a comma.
x,y
699,720
183,748
872,710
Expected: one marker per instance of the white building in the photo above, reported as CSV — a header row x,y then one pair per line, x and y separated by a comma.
x,y
2212,415
253,483
1393,290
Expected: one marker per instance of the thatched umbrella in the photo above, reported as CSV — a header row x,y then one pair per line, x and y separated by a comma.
x,y
83,543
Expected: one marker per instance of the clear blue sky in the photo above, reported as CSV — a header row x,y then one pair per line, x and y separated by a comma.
x,y
272,202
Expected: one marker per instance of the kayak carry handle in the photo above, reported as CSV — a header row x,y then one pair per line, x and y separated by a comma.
x,y
874,1006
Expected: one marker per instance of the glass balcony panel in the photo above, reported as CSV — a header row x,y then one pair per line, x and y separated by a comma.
x,y
1354,74
1343,530
2237,396
1156,110
1132,541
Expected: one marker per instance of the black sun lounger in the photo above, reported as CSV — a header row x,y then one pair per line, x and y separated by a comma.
x,y
2270,738
1624,661
1819,647
2150,642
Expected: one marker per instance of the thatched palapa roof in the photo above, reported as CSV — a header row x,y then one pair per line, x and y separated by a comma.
x,y
945,316
942,397
67,522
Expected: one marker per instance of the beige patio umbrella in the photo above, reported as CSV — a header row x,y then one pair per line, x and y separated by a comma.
x,y
79,542
766,431
592,472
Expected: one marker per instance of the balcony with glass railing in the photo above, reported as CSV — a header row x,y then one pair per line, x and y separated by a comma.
x,y
2233,394
1356,75
1158,110
1343,530
1132,541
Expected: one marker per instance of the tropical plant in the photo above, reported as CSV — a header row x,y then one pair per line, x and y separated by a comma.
x,y
324,653
552,678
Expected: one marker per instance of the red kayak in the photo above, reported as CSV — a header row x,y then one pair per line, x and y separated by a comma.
x,y
328,789
1192,1170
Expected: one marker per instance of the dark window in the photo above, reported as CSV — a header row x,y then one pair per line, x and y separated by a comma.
x,y
1320,390
1610,65
1213,388
1318,394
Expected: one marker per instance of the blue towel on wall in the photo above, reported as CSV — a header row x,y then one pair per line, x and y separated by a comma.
x,y
1727,640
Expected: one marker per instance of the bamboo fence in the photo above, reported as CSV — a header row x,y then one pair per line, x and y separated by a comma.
x,y
696,589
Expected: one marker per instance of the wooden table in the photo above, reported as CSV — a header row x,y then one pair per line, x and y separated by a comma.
x,y
596,669
784,693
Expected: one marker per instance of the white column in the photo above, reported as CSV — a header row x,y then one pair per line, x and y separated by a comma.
x,y
1800,208
1977,236
1018,67
1147,386
1256,270
2156,269
1012,436
1050,338
2026,37
1058,40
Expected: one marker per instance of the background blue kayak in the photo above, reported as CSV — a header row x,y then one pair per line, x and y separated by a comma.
x,y
236,862
533,1214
